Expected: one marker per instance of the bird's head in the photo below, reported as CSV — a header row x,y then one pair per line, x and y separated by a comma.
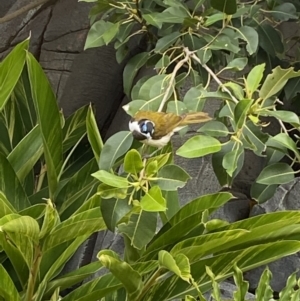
x,y
142,129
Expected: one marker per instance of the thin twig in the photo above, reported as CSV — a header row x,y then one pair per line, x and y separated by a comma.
x,y
172,79
22,10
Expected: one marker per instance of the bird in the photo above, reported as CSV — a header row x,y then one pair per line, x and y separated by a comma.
x,y
156,128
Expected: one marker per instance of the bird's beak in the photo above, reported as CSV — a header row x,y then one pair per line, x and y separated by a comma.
x,y
138,136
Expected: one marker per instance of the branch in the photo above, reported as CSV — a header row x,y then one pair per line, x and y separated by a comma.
x,y
172,79
213,75
22,10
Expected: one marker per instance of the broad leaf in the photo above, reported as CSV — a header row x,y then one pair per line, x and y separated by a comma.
x,y
116,146
49,121
133,162
8,290
140,228
277,173
153,200
170,177
111,179
199,146
10,71
229,7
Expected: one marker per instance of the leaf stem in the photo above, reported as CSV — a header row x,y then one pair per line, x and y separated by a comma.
x,y
33,273
148,284
213,75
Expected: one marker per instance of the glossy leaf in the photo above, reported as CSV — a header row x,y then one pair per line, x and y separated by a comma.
x,y
8,290
10,71
250,36
253,79
101,33
262,193
163,43
285,12
130,278
93,134
231,160
47,109
285,141
170,177
214,128
153,200
74,128
111,179
270,39
276,81
277,173
199,146
25,155
131,69
116,146
179,264
108,192
133,162
140,229
229,7
113,210
11,186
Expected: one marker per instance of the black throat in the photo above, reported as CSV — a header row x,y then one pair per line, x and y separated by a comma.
x,y
138,136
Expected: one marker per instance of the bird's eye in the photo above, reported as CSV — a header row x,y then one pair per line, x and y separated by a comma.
x,y
147,127
144,128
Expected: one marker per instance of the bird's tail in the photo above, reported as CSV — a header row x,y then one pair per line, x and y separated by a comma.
x,y
194,117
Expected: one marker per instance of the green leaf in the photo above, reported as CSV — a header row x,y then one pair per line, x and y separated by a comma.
x,y
243,285
292,88
199,146
25,155
276,81
250,36
223,42
269,39
101,33
130,278
284,140
179,264
93,134
228,7
231,159
153,19
5,206
170,177
177,107
11,186
285,12
8,290
10,71
237,64
72,278
116,146
262,193
111,179
264,290
47,110
133,162
95,289
165,42
108,192
131,69
153,200
214,128
140,228
113,210
285,116
253,79
79,225
277,173
241,111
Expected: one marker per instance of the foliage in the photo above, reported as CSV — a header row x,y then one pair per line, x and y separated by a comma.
x,y
263,292
50,199
200,41
48,205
